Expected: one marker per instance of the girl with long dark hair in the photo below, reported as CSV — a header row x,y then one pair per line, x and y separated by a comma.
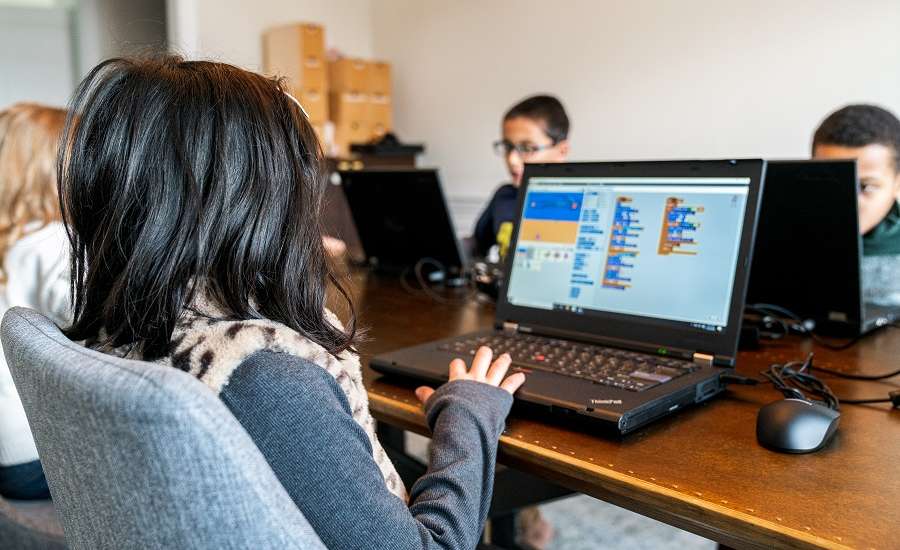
x,y
193,192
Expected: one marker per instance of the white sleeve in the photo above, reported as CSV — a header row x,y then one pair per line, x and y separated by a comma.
x,y
37,269
55,277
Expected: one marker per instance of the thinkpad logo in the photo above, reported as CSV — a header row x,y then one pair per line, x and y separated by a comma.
x,y
606,401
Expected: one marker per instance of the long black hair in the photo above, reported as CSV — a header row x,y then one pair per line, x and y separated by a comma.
x,y
184,177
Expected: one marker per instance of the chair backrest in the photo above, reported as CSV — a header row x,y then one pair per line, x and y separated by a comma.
x,y
143,456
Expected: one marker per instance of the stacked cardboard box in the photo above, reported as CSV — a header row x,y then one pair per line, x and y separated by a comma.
x,y
349,103
360,102
297,52
381,110
354,94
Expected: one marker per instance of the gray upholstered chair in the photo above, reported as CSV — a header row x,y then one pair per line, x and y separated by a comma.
x,y
30,525
142,456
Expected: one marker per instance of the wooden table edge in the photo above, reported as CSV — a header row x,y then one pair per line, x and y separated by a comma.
x,y
722,524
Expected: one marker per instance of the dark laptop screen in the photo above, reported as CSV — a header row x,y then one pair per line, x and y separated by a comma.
x,y
808,247
402,218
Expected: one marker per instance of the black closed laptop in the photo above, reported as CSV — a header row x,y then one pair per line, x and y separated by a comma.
x,y
808,247
624,288
402,219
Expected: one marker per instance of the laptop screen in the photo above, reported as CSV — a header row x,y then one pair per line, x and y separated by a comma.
x,y
402,219
665,248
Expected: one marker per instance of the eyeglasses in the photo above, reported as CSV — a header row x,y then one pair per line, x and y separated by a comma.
x,y
504,147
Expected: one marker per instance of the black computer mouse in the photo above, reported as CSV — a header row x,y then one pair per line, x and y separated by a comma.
x,y
795,426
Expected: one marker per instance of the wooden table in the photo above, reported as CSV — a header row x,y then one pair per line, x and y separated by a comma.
x,y
701,469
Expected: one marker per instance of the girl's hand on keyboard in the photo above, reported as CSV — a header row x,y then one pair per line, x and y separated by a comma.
x,y
483,370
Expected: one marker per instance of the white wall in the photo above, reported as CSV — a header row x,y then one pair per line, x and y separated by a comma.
x,y
231,30
43,74
110,28
640,79
46,46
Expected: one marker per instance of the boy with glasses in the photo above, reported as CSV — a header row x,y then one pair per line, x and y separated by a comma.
x,y
534,130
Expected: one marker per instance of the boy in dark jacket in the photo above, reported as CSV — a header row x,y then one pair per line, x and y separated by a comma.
x,y
534,130
871,135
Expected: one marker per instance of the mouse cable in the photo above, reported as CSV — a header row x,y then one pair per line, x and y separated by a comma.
x,y
854,376
793,379
790,378
803,326
770,308
419,289
425,286
471,291
892,398
768,322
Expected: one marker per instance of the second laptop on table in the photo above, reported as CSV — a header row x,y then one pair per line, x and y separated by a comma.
x,y
808,250
402,220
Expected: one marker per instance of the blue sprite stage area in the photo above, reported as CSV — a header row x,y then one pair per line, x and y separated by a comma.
x,y
556,206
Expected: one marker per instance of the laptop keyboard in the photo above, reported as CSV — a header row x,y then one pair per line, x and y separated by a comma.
x,y
624,369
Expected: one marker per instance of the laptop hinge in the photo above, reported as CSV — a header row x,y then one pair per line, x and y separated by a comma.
x,y
510,328
704,359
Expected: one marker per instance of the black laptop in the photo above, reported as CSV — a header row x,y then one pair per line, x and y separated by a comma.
x,y
624,290
808,247
402,220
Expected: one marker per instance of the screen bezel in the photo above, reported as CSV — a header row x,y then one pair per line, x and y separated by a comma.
x,y
645,331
